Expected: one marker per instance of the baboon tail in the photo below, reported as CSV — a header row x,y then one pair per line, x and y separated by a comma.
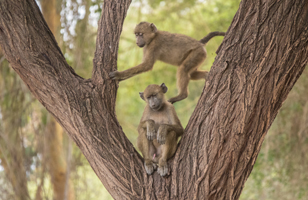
x,y
210,36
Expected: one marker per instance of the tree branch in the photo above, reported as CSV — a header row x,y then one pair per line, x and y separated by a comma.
x,y
31,49
108,37
262,55
84,108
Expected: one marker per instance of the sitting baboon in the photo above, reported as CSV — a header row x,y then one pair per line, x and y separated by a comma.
x,y
159,129
175,49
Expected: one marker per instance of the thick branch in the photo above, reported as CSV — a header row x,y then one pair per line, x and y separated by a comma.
x,y
107,45
108,37
33,53
83,108
263,53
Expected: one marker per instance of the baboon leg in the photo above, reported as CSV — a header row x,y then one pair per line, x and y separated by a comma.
x,y
168,149
147,149
198,74
182,83
189,65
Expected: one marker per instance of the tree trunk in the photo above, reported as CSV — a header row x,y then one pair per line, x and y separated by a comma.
x,y
262,55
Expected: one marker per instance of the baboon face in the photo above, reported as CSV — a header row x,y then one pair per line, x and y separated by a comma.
x,y
144,33
154,96
140,40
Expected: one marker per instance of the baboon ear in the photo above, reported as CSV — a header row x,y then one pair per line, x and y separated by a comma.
x,y
141,95
154,29
164,87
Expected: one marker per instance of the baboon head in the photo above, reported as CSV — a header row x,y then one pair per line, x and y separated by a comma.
x,y
145,32
154,96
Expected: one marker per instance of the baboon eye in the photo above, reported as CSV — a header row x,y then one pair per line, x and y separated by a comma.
x,y
140,34
136,34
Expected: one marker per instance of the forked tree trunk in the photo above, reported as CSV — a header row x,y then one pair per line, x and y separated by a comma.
x,y
263,54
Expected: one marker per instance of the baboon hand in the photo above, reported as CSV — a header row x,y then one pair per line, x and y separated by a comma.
x,y
151,133
161,134
114,75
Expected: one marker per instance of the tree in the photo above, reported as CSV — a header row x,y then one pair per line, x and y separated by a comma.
x,y
262,55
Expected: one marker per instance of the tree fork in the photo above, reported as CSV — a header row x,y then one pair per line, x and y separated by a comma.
x,y
262,55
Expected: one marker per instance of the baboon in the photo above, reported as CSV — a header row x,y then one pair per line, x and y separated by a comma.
x,y
174,49
159,130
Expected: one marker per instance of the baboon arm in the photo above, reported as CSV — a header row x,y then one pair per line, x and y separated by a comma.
x,y
143,67
176,123
176,128
146,65
144,124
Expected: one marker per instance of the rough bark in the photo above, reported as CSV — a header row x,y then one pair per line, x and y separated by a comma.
x,y
263,54
260,59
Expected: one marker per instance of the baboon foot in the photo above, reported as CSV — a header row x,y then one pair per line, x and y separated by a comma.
x,y
163,168
150,167
177,98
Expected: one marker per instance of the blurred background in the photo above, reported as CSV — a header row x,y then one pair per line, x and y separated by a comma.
x,y
39,161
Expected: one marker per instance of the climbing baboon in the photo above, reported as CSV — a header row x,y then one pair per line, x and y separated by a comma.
x,y
175,49
159,130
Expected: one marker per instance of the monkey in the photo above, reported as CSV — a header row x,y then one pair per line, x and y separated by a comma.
x,y
175,49
159,129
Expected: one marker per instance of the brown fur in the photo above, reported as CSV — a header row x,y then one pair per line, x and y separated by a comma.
x,y
158,130
175,49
